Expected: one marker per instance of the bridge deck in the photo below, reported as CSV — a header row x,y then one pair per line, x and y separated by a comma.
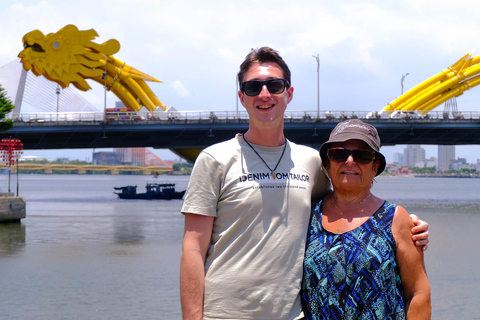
x,y
184,131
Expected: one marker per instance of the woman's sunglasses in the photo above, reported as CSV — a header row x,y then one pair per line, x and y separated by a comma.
x,y
254,87
340,154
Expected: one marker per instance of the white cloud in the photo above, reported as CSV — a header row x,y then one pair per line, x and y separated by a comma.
x,y
178,86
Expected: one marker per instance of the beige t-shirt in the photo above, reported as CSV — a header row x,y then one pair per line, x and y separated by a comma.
x,y
255,258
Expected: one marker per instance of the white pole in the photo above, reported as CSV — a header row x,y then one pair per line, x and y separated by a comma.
x,y
318,85
105,102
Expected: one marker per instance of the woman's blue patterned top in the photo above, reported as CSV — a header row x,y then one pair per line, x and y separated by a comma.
x,y
353,275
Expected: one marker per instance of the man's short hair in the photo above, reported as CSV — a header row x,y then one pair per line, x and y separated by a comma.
x,y
261,55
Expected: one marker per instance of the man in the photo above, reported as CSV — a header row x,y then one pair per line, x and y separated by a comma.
x,y
247,208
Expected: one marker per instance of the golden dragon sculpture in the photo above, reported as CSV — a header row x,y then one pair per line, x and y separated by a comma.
x,y
71,56
449,83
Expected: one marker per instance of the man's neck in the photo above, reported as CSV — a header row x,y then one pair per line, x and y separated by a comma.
x,y
268,137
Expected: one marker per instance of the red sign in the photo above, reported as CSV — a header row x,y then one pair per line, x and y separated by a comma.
x,y
10,148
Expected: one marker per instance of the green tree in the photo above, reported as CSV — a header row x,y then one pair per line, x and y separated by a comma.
x,y
5,107
424,170
467,171
185,168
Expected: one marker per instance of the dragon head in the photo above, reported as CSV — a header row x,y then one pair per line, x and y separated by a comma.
x,y
67,56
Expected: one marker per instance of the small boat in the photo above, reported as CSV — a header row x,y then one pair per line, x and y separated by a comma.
x,y
155,191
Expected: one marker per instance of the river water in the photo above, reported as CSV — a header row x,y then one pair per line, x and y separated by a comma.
x,y
82,253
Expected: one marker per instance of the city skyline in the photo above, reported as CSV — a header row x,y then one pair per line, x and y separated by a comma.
x,y
166,155
446,159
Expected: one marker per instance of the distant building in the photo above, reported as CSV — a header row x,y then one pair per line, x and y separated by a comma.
x,y
131,156
477,165
461,163
419,164
393,169
414,155
28,158
107,158
432,162
446,155
398,158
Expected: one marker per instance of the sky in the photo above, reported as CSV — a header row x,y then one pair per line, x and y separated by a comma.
x,y
196,47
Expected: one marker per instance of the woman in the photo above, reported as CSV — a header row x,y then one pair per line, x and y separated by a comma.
x,y
360,261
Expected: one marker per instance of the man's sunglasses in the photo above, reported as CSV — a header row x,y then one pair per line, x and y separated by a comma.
x,y
254,87
340,154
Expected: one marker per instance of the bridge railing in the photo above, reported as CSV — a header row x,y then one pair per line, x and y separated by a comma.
x,y
60,116
194,116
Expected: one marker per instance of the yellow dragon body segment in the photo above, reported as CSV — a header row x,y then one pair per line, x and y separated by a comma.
x,y
70,56
451,82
